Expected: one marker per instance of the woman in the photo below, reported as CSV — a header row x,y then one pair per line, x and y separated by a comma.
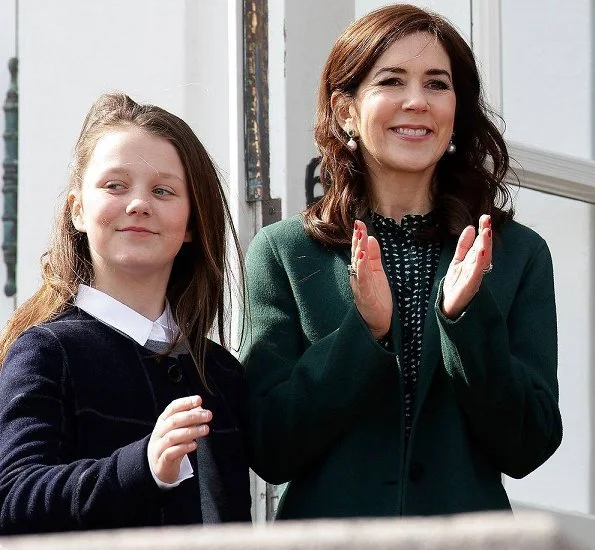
x,y
391,371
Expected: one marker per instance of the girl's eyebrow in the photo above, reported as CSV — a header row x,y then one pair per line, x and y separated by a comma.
x,y
400,70
119,170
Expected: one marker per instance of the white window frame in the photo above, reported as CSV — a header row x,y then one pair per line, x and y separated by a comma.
x,y
545,171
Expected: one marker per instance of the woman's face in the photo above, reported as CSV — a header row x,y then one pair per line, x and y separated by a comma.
x,y
404,109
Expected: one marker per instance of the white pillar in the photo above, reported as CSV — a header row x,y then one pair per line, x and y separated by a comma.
x,y
300,37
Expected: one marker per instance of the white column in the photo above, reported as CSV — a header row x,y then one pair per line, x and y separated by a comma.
x,y
486,31
300,37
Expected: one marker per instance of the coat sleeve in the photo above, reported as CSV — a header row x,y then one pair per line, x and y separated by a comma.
x,y
42,488
303,396
503,369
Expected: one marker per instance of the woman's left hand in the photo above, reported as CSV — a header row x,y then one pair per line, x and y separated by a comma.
x,y
472,260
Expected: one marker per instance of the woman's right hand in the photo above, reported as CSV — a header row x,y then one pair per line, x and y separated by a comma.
x,y
371,290
175,435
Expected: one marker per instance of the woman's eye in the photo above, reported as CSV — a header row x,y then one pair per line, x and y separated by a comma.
x,y
391,82
438,85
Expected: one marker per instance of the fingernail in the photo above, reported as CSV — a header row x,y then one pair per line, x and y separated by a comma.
x,y
360,255
483,253
489,222
355,225
359,235
202,429
490,233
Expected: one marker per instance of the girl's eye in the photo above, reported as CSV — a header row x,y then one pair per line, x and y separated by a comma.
x,y
438,85
114,185
162,192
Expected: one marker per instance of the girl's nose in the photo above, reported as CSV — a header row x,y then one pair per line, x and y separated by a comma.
x,y
140,207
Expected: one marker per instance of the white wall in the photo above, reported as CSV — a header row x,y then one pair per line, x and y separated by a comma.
x,y
7,50
71,51
565,481
547,74
300,38
547,89
456,11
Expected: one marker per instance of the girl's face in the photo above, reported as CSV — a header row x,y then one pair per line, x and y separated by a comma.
x,y
133,205
404,109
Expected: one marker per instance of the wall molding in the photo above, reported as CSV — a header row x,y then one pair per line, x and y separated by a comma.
x,y
553,173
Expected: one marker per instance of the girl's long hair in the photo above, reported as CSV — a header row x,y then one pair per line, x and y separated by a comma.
x,y
465,185
201,274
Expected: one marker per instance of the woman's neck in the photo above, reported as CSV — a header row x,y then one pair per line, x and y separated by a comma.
x,y
400,195
145,295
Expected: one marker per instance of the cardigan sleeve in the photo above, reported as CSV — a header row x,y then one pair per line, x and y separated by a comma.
x,y
503,369
302,396
41,487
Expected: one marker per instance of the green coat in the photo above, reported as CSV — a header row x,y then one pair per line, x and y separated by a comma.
x,y
326,400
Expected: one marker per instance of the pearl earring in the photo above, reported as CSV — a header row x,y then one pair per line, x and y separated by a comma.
x,y
351,144
451,148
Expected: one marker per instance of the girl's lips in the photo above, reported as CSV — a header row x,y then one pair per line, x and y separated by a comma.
x,y
137,230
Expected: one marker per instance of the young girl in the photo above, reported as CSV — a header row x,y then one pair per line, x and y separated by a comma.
x,y
109,385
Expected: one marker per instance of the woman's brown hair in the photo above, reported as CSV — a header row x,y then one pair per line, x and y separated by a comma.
x,y
201,270
466,184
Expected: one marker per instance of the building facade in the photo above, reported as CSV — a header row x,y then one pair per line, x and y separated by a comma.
x,y
188,56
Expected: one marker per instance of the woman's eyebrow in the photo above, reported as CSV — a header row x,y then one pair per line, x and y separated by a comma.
x,y
400,70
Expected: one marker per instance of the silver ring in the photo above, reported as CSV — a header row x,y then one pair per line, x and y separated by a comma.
x,y
488,269
352,271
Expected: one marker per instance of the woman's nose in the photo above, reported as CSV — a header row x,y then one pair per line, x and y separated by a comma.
x,y
139,207
415,100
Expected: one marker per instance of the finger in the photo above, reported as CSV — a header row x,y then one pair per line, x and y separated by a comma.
x,y
486,244
465,243
180,436
374,254
363,237
181,404
485,222
354,238
363,285
171,454
183,419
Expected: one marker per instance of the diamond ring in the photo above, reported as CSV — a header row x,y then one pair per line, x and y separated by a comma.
x,y
488,269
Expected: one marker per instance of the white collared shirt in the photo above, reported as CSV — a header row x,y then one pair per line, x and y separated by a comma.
x,y
119,316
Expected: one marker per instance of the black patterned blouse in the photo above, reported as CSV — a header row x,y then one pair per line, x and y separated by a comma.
x,y
411,265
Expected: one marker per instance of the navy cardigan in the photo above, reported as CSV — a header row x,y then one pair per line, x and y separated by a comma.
x,y
79,402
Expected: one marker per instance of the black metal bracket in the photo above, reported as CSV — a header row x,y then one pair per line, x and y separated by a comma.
x,y
11,177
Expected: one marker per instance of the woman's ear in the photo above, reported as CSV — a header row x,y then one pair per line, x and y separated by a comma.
x,y
76,211
344,111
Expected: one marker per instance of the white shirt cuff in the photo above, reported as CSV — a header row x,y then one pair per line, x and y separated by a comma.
x,y
186,472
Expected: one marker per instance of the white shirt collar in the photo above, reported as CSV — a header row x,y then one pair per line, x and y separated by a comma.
x,y
110,311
